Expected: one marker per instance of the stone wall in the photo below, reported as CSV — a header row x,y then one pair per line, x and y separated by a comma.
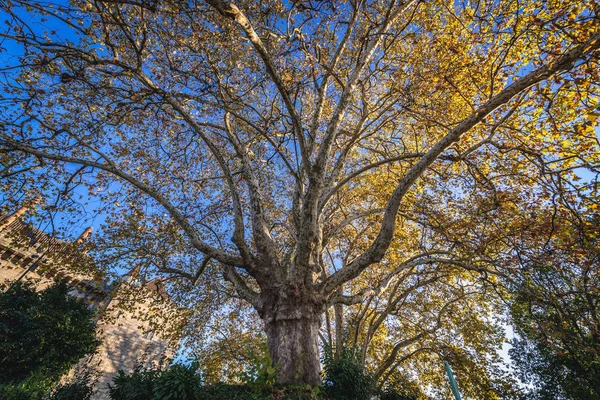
x,y
127,337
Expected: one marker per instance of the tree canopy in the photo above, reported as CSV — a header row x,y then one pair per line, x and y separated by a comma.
x,y
280,160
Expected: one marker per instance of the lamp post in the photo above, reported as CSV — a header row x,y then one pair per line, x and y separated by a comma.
x,y
452,381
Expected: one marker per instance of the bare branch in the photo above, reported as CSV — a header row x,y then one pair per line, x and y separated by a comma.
x,y
217,254
231,11
365,59
263,239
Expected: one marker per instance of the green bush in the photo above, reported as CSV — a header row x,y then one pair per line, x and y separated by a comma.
x,y
261,380
43,332
34,387
139,385
300,392
393,394
261,375
245,392
225,392
179,382
399,387
346,378
80,390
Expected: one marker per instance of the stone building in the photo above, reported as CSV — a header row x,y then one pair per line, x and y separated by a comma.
x,y
128,310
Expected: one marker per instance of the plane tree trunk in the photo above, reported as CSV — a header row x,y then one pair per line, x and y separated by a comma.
x,y
291,323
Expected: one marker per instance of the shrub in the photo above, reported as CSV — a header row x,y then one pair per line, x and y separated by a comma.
x,y
179,382
393,394
346,378
225,392
135,386
399,387
300,392
34,387
74,391
43,332
262,374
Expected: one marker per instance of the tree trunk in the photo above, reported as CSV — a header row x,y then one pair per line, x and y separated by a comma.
x,y
292,326
294,347
339,328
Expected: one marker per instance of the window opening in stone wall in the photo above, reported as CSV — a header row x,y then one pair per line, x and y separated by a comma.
x,y
26,262
7,255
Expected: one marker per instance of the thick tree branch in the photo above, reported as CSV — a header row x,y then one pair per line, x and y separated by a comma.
x,y
308,238
240,286
262,237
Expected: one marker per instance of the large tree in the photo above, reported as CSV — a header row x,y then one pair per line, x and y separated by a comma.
x,y
287,145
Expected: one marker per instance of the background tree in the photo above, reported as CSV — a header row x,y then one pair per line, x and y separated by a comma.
x,y
285,148
441,315
556,312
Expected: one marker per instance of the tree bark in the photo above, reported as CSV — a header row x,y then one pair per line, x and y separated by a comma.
x,y
339,328
292,327
294,347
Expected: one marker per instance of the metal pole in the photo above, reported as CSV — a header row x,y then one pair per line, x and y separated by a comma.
x,y
452,381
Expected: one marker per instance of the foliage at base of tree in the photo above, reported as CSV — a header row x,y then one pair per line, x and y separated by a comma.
x,y
399,387
135,386
261,374
226,392
344,378
180,382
